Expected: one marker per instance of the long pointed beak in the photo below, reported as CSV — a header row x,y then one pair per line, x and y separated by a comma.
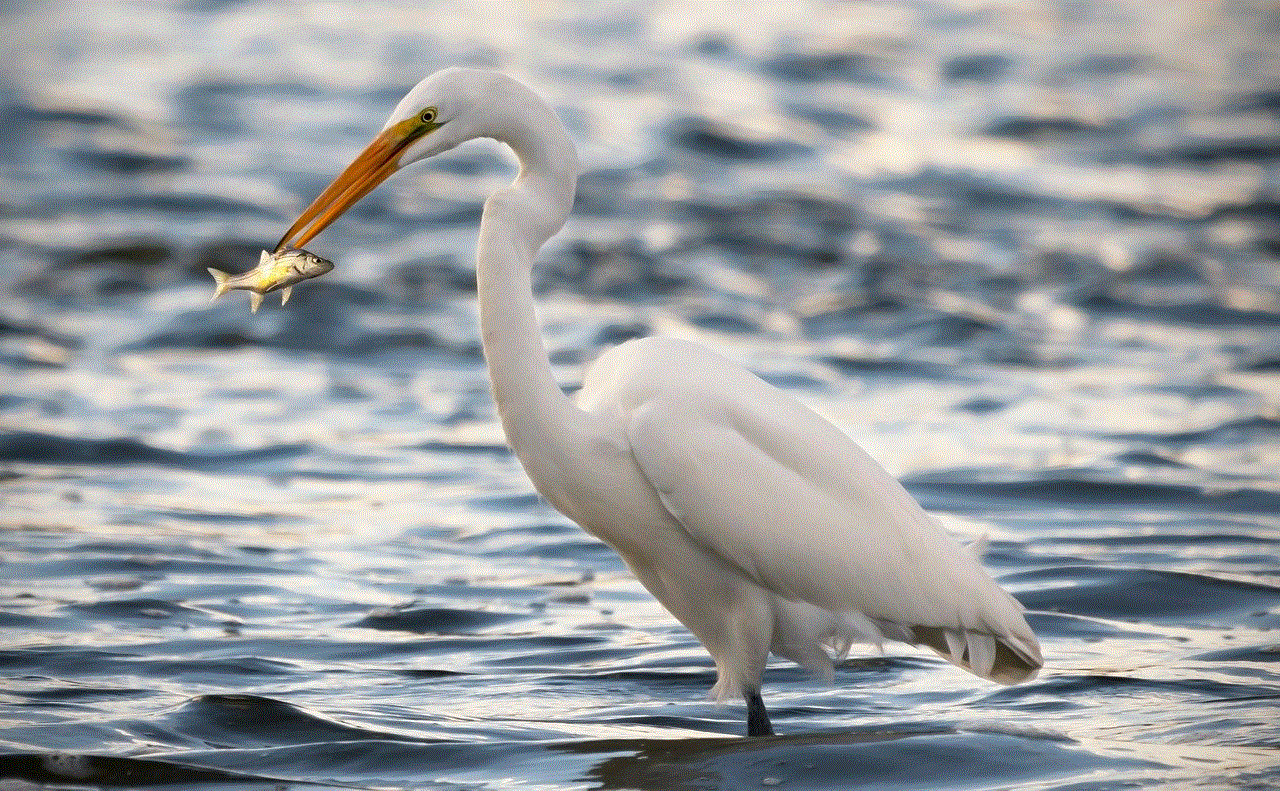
x,y
372,167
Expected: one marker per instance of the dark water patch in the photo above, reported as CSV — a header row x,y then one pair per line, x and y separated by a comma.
x,y
435,620
57,659
222,108
959,489
371,476
69,115
1260,150
1065,686
724,322
251,721
107,771
1066,626
1246,431
465,448
27,362
1253,653
949,329
1200,391
810,67
1267,99
165,204
1267,363
320,317
982,405
1040,129
585,550
722,141
29,329
1014,352
621,269
35,448
520,534
807,229
399,762
892,368
616,333
1264,208
208,664
967,192
223,332
987,67
141,251
1132,594
832,120
430,280
81,285
145,609
1196,314
891,758
17,620
118,573
657,679
1165,266
81,693
1104,65
126,161
140,569
229,255
1175,537
427,672
792,380
508,503
1070,268
585,652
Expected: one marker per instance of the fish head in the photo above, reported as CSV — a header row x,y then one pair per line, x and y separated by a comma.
x,y
306,264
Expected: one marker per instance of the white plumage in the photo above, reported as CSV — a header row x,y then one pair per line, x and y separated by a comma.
x,y
756,522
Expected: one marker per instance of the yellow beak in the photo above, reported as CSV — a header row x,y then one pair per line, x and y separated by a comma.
x,y
372,167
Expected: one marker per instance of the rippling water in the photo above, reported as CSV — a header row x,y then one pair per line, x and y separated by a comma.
x,y
1026,253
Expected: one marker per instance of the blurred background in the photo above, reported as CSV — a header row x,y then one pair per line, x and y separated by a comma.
x,y
1024,252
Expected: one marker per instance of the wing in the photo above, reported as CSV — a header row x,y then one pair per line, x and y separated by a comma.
x,y
798,507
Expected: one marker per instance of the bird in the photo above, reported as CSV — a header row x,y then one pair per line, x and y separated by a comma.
x,y
761,526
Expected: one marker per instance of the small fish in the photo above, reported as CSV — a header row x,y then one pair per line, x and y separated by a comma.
x,y
275,271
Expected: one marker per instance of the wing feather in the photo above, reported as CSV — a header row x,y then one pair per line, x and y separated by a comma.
x,y
785,497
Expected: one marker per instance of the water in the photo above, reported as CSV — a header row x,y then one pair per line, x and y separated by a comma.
x,y
1024,252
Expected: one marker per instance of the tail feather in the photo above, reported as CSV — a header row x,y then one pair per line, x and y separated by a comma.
x,y
220,278
1002,658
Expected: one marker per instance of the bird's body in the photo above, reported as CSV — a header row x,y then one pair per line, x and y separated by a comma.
x,y
756,522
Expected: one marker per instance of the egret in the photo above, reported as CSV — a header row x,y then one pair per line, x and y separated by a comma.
x,y
757,523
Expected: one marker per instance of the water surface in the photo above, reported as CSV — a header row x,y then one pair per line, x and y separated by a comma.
x,y
1025,253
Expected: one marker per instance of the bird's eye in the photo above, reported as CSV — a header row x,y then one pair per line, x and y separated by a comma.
x,y
428,116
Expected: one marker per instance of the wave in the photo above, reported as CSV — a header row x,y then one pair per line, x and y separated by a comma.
x,y
37,448
961,489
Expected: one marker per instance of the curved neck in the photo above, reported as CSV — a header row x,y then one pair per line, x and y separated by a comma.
x,y
517,221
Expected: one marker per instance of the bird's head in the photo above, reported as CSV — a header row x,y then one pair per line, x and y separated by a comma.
x,y
445,109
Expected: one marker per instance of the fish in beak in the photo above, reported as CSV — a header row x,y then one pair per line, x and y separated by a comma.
x,y
278,271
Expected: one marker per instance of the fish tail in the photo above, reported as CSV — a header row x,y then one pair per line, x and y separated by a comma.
x,y
220,278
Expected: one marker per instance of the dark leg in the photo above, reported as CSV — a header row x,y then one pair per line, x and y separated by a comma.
x,y
757,718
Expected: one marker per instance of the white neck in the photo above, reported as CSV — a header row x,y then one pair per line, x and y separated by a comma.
x,y
517,221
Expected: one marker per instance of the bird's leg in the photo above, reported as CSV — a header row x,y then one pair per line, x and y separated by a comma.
x,y
757,718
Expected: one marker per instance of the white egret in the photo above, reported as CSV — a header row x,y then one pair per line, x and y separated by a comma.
x,y
757,523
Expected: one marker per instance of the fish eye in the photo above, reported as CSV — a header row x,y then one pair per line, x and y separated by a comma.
x,y
428,116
